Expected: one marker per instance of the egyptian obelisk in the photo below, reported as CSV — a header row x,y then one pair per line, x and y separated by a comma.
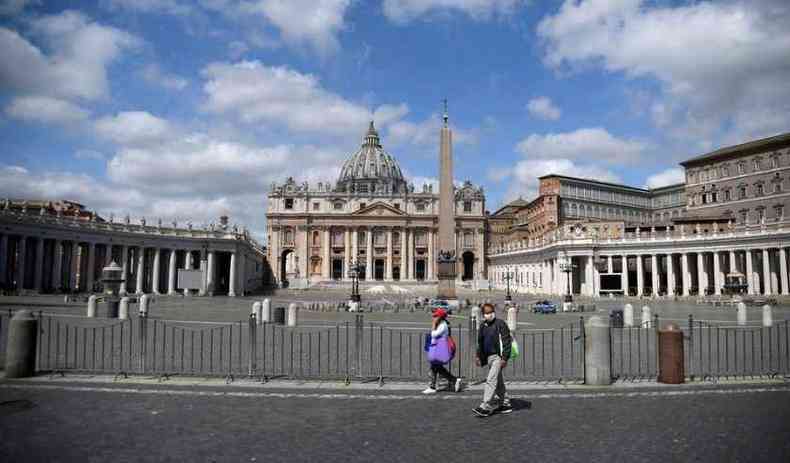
x,y
446,260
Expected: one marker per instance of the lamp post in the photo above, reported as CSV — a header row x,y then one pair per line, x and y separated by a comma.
x,y
355,268
508,297
567,266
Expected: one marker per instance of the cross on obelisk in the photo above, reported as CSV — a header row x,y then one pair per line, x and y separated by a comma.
x,y
446,260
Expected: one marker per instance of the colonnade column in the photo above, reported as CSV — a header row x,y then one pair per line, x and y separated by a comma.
x,y
107,254
188,266
640,277
654,271
685,277
369,273
76,249
403,251
670,276
91,270
20,265
702,282
411,255
210,264
171,274
767,272
325,264
624,275
232,277
733,263
749,273
346,253
609,265
125,267
783,271
3,257
39,269
57,265
717,279
388,264
354,245
155,277
139,286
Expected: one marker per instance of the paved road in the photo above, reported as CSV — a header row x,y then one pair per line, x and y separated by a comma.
x,y
96,423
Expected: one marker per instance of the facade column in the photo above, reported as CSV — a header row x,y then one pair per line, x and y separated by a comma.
x,y
124,268
155,277
369,271
654,274
624,275
640,276
733,263
388,265
232,276
57,266
107,254
702,281
670,276
188,265
4,257
171,273
783,284
91,267
588,276
403,251
76,263
685,276
767,272
411,254
242,289
717,279
354,244
750,273
327,247
346,253
210,271
139,286
20,263
609,265
39,268
430,263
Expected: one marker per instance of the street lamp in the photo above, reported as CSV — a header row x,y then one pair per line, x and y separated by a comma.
x,y
508,297
567,266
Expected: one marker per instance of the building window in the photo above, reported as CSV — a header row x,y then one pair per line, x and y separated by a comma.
x,y
761,214
742,192
775,162
420,207
289,203
744,216
779,211
726,195
467,206
316,206
777,187
756,164
338,206
758,189
740,167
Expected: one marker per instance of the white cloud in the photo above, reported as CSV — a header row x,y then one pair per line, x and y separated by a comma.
x,y
133,128
154,75
426,133
237,48
315,23
281,96
401,11
87,154
46,110
671,176
542,107
586,144
719,63
150,6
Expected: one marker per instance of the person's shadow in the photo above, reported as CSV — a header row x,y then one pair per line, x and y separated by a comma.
x,y
520,404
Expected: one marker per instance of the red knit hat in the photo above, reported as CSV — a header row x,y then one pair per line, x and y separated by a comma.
x,y
441,313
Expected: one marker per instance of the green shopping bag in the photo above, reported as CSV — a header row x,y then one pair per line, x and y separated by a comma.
x,y
514,352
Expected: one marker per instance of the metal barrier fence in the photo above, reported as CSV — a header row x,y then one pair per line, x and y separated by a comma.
x,y
634,351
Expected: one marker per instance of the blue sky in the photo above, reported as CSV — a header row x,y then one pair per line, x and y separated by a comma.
x,y
186,110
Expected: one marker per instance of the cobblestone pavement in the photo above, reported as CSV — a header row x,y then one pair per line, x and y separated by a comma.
x,y
120,423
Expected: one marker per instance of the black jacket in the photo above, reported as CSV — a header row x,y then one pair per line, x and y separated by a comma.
x,y
493,332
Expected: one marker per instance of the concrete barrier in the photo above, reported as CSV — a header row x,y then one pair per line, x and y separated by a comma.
x,y
293,314
597,360
91,306
741,314
123,309
628,315
143,308
256,310
20,356
266,311
476,315
512,318
768,318
647,321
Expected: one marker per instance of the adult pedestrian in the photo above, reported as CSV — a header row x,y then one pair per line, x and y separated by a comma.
x,y
440,352
493,350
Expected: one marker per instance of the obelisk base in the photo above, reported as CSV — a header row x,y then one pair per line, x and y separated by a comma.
x,y
446,291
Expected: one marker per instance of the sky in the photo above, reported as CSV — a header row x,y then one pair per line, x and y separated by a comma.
x,y
190,109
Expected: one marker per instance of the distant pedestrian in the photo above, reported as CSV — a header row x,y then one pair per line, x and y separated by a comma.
x,y
440,352
493,349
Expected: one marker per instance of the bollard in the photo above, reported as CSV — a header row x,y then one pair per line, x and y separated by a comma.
x,y
741,314
476,315
670,355
768,319
293,312
92,306
597,348
266,311
628,316
20,358
256,310
647,320
123,309
143,305
512,318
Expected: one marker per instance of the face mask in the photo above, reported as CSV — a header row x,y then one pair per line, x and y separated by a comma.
x,y
489,316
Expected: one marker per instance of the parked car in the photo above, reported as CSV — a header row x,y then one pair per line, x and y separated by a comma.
x,y
544,306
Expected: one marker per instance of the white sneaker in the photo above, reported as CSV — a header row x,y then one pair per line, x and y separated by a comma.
x,y
458,385
429,390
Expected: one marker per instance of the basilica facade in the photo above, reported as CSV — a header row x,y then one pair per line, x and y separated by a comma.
x,y
372,220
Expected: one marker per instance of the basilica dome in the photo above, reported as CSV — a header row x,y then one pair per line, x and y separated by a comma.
x,y
371,169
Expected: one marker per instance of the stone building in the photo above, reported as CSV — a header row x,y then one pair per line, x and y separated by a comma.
x,y
746,183
729,221
372,216
44,250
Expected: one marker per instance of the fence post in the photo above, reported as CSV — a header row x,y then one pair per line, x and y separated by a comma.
x,y
583,334
597,365
359,329
691,347
20,360
252,324
141,338
628,315
768,319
